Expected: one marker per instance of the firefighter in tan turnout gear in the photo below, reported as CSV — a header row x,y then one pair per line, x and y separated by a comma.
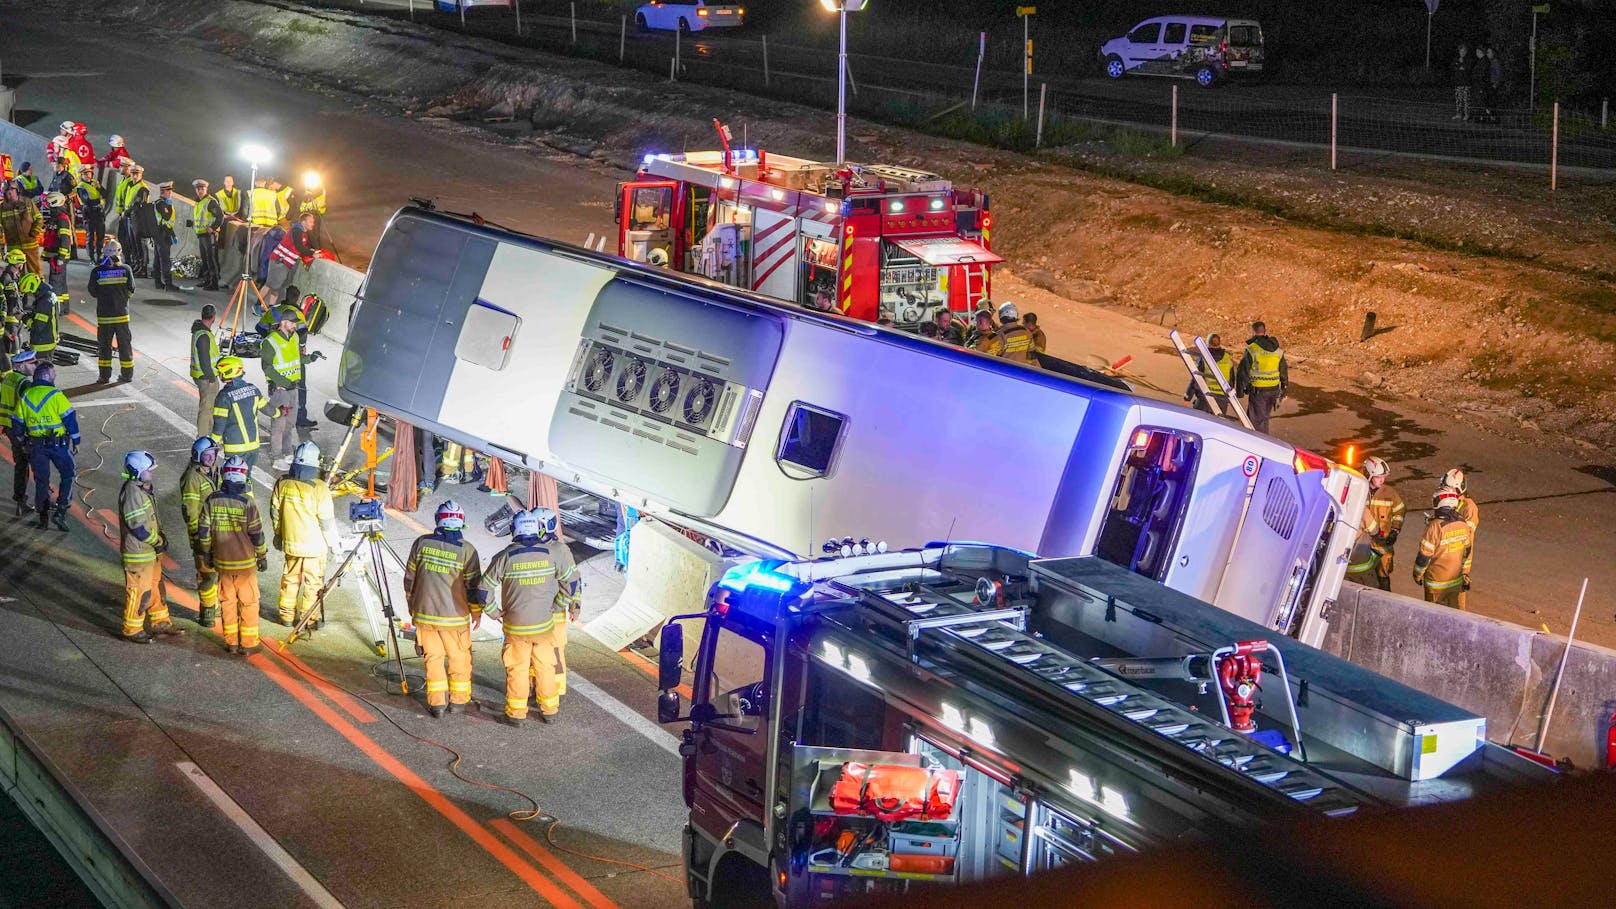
x,y
440,583
1456,481
142,544
230,538
1372,558
535,583
196,484
1443,565
1015,341
305,527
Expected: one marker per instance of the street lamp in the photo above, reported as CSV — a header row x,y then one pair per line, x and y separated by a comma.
x,y
254,156
842,8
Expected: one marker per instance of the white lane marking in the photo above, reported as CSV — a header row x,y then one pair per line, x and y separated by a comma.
x,y
188,428
260,837
630,717
102,402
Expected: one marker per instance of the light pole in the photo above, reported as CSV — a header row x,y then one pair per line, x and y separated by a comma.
x,y
842,8
1025,14
254,155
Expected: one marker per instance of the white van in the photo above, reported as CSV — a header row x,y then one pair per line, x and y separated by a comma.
x,y
1204,48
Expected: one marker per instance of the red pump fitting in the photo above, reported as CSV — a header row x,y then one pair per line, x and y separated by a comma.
x,y
1239,674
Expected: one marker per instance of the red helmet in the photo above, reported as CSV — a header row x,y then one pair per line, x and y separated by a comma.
x,y
80,129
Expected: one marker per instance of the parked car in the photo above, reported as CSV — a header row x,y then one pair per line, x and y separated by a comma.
x,y
454,6
688,17
1204,48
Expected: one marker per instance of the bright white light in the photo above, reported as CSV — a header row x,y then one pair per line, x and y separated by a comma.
x,y
937,205
857,668
777,194
255,154
1081,786
311,180
833,654
952,718
832,207
727,182
1113,801
979,730
895,206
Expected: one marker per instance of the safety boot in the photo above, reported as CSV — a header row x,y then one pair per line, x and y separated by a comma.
x,y
209,615
140,637
454,708
126,376
59,518
515,722
44,518
167,629
103,377
22,506
545,718
436,711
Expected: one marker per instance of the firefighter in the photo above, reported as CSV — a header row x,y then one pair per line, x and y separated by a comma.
x,y
47,418
231,537
1263,376
235,412
983,337
1223,363
206,219
12,383
141,541
92,201
163,237
25,294
1456,480
44,326
1015,341
281,353
1443,565
196,484
57,246
20,223
440,583
305,526
1040,341
950,328
112,284
535,583
1373,564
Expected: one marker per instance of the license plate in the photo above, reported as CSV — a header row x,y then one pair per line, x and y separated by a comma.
x,y
724,12
1237,63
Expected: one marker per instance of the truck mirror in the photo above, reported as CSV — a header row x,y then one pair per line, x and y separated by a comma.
x,y
667,707
671,657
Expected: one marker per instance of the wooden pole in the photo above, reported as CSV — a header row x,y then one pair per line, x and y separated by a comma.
x,y
1554,150
765,61
1332,129
1043,89
622,39
1172,125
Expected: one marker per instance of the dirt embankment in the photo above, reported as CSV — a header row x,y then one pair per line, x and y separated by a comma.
x,y
1522,331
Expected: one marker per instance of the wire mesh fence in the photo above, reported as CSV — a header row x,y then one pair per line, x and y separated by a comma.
x,y
981,101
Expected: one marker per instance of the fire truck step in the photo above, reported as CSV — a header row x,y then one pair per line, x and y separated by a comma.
x,y
1302,792
1140,714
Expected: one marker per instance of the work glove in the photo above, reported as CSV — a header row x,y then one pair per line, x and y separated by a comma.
x,y
574,613
419,650
1466,582
263,563
1391,538
1419,576
316,356
161,545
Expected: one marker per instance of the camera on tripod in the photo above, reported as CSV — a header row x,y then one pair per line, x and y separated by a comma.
x,y
365,515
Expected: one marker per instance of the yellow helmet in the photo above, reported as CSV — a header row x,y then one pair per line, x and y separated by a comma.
x,y
15,257
230,367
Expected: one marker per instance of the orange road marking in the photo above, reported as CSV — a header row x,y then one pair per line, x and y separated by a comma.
x,y
556,866
409,521
342,699
649,668
188,386
529,875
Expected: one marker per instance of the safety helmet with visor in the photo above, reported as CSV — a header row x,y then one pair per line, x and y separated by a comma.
x,y
204,451
138,465
450,516
234,472
230,367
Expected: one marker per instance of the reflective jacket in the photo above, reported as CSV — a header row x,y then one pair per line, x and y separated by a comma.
x,y
314,203
196,484
282,359
123,198
1469,513
58,238
302,517
205,215
1263,365
535,584
1015,343
165,218
230,535
91,196
204,351
111,286
1223,363
266,207
229,200
235,416
43,329
28,186
43,412
139,534
12,383
1388,510
1444,557
440,580
1040,341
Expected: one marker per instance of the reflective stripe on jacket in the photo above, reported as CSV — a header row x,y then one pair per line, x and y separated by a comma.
x,y
1444,552
230,534
138,530
204,353
534,582
439,579
196,484
44,411
235,416
229,200
266,207
12,383
302,517
282,358
1015,343
1264,370
1388,509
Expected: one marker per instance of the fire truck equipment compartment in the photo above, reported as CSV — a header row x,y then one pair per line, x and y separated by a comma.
x,y
948,251
892,793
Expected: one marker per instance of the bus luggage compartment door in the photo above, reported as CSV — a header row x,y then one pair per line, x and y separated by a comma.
x,y
1273,557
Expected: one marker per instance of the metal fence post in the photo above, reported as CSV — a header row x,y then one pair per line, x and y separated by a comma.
x,y
1172,123
981,51
412,10
677,44
622,39
462,5
1333,111
1604,113
1043,89
574,9
765,61
1554,150
518,5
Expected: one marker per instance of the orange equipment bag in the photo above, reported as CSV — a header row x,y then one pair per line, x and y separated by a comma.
x,y
889,792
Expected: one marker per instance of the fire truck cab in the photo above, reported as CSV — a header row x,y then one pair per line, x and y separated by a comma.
x,y
869,241
1042,712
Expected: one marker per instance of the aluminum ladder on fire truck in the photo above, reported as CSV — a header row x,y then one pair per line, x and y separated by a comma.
x,y
976,287
998,632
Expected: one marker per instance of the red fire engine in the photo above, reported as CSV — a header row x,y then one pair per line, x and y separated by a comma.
x,y
870,241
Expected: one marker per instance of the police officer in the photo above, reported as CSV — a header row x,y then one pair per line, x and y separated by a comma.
x,y
12,383
235,412
1263,376
440,584
1443,565
196,484
1222,364
204,369
1015,341
141,543
47,418
231,537
535,583
112,284
305,526
126,199
163,237
92,201
281,352
206,219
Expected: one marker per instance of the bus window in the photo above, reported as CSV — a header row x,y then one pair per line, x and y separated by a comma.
x,y
1149,501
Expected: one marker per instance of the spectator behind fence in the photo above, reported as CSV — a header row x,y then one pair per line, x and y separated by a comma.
x,y
1461,84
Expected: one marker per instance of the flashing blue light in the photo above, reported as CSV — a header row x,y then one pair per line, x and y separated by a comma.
x,y
647,159
755,576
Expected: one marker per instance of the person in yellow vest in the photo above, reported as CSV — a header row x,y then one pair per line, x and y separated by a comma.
x,y
440,584
313,203
93,205
282,355
1443,565
231,536
204,368
305,527
196,484
263,206
1387,510
205,221
534,582
47,419
1015,341
142,544
1223,363
12,383
229,197
1262,377
1456,480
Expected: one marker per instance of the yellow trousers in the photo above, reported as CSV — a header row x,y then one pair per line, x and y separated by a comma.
x,y
446,648
207,583
300,584
557,669
533,661
238,597
143,588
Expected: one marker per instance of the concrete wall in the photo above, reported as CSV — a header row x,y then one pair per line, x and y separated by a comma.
x,y
1500,670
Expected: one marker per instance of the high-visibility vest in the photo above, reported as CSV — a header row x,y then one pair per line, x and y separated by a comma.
x,y
124,199
28,185
11,386
204,215
266,207
42,409
1264,366
284,360
283,197
204,350
45,332
1224,365
314,203
165,214
90,194
285,252
229,200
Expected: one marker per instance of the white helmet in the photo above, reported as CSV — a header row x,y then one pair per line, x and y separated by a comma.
x,y
138,465
235,470
1445,498
55,200
1375,467
450,516
658,257
307,455
66,127
537,522
1008,312
1455,479
116,141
